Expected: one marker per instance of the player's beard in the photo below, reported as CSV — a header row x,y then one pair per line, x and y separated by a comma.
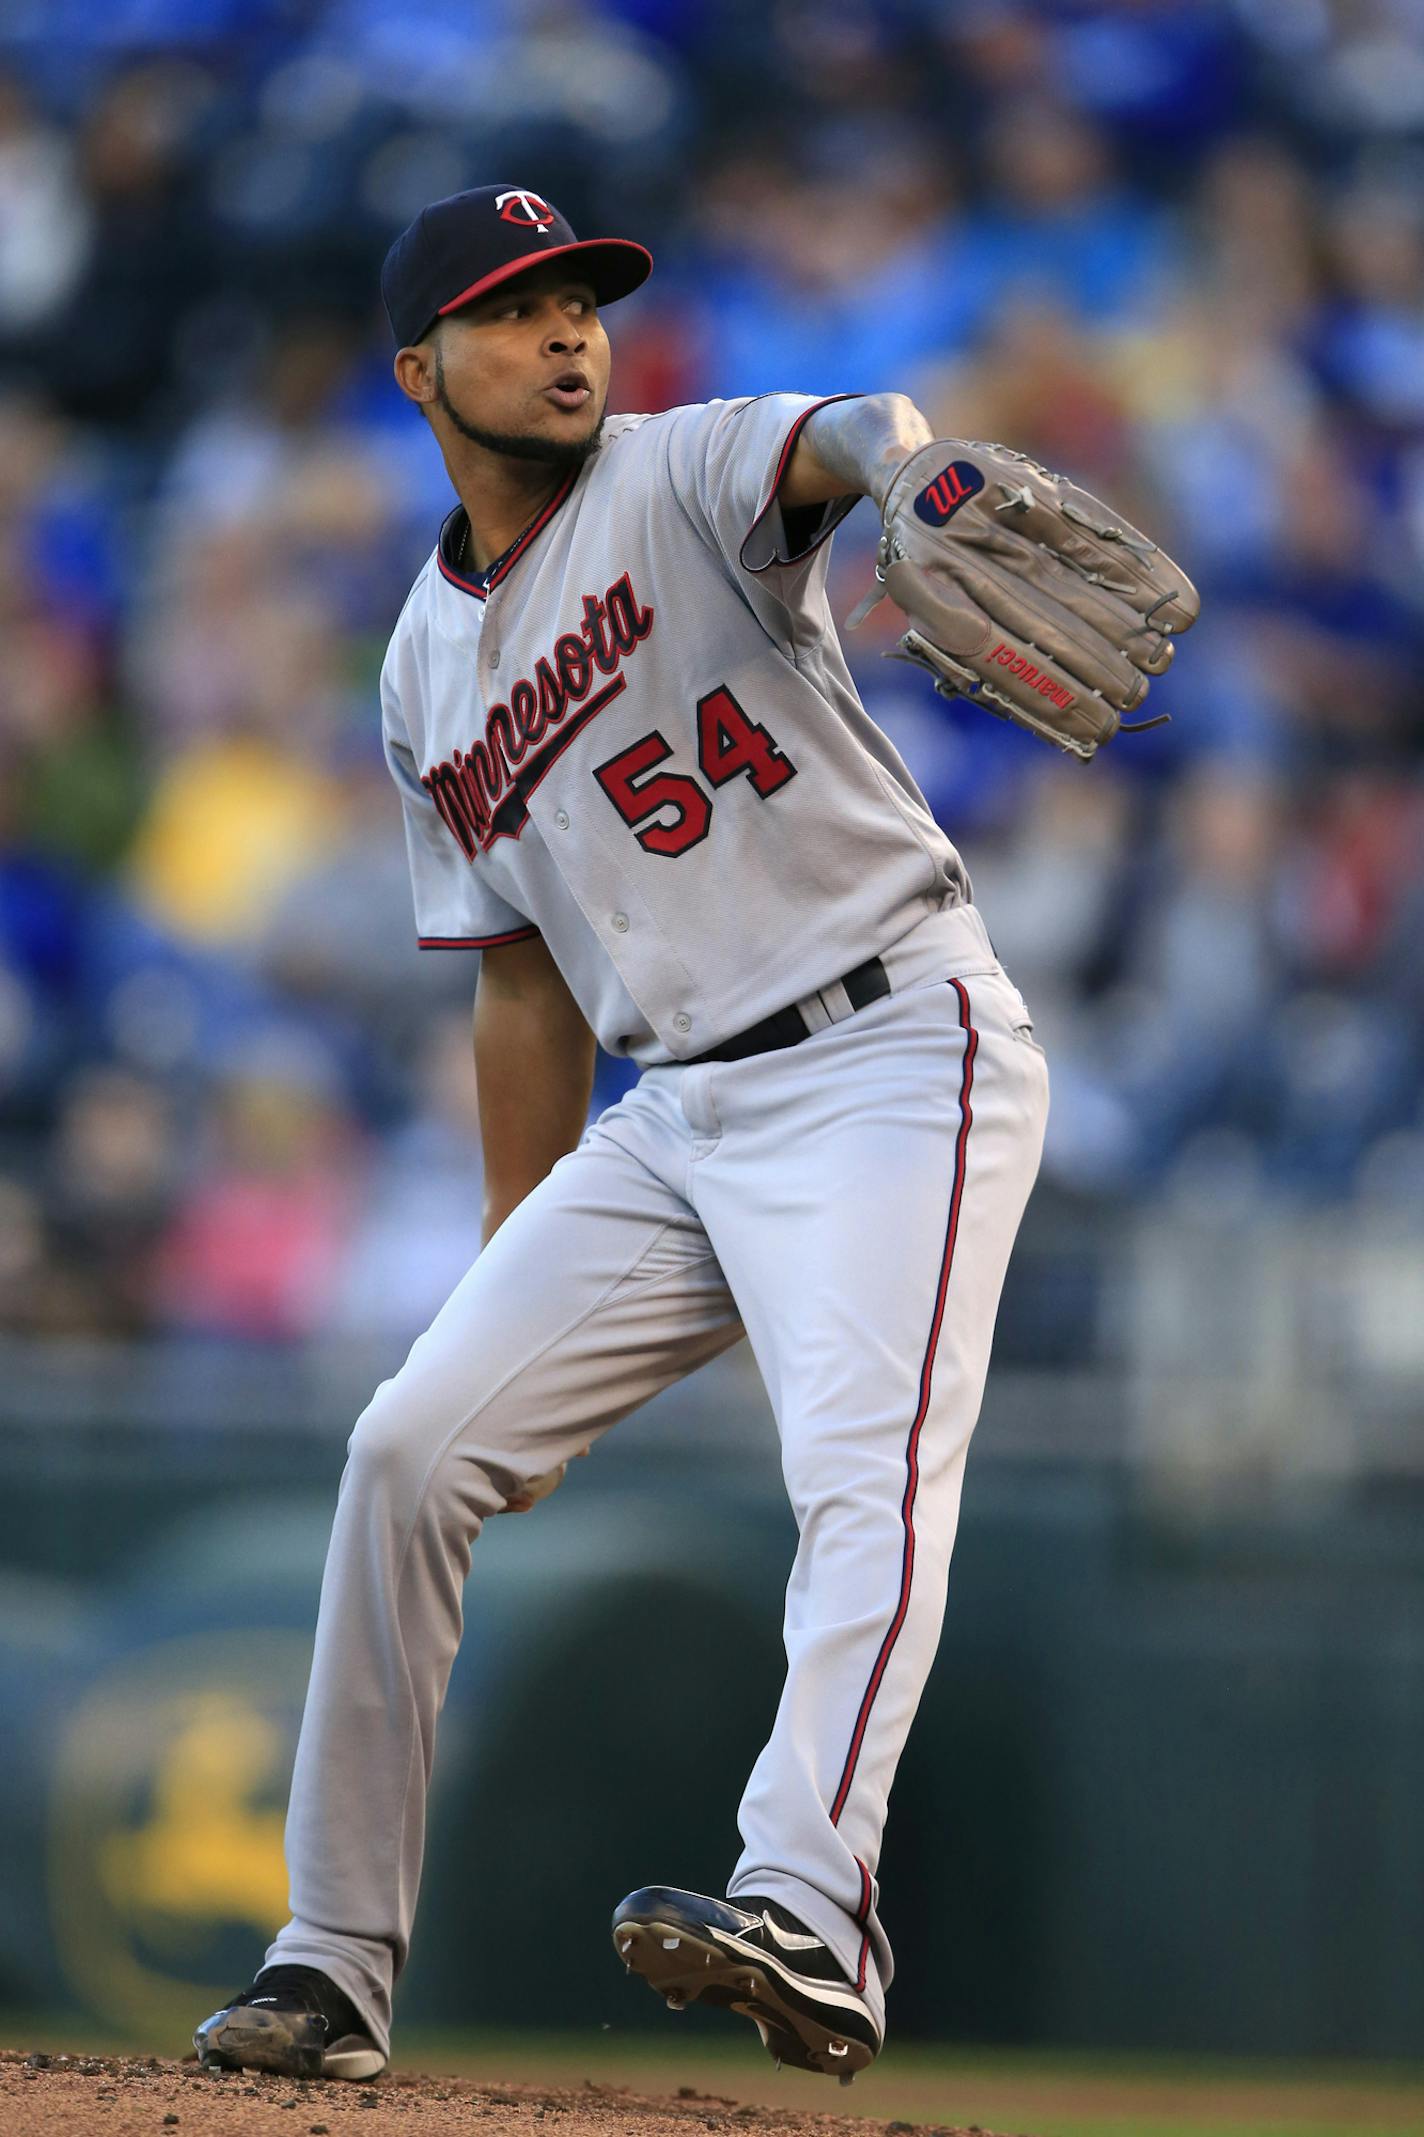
x,y
517,445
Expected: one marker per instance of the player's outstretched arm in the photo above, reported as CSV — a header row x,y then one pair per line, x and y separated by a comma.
x,y
534,1064
853,449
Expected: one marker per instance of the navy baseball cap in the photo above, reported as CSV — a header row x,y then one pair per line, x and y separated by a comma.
x,y
461,247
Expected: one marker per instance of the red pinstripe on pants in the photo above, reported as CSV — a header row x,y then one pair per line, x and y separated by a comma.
x,y
912,1466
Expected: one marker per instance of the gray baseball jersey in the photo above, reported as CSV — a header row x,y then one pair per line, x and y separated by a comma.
x,y
642,741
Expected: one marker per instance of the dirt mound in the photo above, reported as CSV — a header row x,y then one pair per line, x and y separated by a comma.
x,y
44,2095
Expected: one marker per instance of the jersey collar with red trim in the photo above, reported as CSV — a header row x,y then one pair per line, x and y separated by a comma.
x,y
452,537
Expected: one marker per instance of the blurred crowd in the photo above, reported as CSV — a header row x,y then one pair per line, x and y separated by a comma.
x,y
1175,247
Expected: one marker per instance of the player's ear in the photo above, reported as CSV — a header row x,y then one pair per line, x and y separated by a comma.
x,y
415,372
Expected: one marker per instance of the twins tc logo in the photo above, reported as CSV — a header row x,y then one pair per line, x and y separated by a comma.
x,y
517,206
939,500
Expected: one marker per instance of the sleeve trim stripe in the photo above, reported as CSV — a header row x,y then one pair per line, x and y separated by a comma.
x,y
833,516
475,942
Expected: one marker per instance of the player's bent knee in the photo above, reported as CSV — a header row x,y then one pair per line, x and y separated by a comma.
x,y
404,1448
395,1438
376,1458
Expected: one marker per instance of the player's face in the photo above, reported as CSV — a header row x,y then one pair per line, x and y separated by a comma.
x,y
525,370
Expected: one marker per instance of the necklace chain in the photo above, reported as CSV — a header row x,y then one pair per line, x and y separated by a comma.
x,y
464,558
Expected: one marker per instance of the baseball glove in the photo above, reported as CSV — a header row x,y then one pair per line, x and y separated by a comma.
x,y
1025,594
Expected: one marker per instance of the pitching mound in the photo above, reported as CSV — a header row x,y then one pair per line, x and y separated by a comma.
x,y
110,2096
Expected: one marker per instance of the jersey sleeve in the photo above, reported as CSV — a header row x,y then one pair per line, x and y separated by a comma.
x,y
728,460
454,909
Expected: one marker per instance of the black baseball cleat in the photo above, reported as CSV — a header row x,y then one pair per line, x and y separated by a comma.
x,y
294,2021
755,1958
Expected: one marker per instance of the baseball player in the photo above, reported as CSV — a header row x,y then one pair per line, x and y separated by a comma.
x,y
637,778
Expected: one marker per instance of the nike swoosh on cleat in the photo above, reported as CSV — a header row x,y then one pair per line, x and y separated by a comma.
x,y
787,1939
839,1995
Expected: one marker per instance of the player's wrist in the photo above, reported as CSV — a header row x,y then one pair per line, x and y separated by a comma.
x,y
909,432
867,439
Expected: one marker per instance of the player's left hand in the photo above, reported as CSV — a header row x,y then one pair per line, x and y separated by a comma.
x,y
537,1488
1025,594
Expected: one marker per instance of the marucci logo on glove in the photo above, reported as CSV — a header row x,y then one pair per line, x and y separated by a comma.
x,y
939,500
1019,664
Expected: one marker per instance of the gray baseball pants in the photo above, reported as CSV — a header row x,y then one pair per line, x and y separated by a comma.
x,y
850,1204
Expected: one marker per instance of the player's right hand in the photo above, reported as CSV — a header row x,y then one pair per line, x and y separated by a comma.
x,y
537,1488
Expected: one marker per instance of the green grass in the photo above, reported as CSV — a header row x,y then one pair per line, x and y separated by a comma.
x,y
1137,2128
1119,2126
1040,2092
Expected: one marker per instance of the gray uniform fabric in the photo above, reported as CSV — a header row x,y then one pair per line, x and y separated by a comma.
x,y
849,1204
666,952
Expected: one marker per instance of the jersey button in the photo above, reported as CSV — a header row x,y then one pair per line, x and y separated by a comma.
x,y
561,818
682,1021
494,658
620,923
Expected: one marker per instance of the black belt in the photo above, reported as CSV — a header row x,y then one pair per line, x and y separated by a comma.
x,y
787,1027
